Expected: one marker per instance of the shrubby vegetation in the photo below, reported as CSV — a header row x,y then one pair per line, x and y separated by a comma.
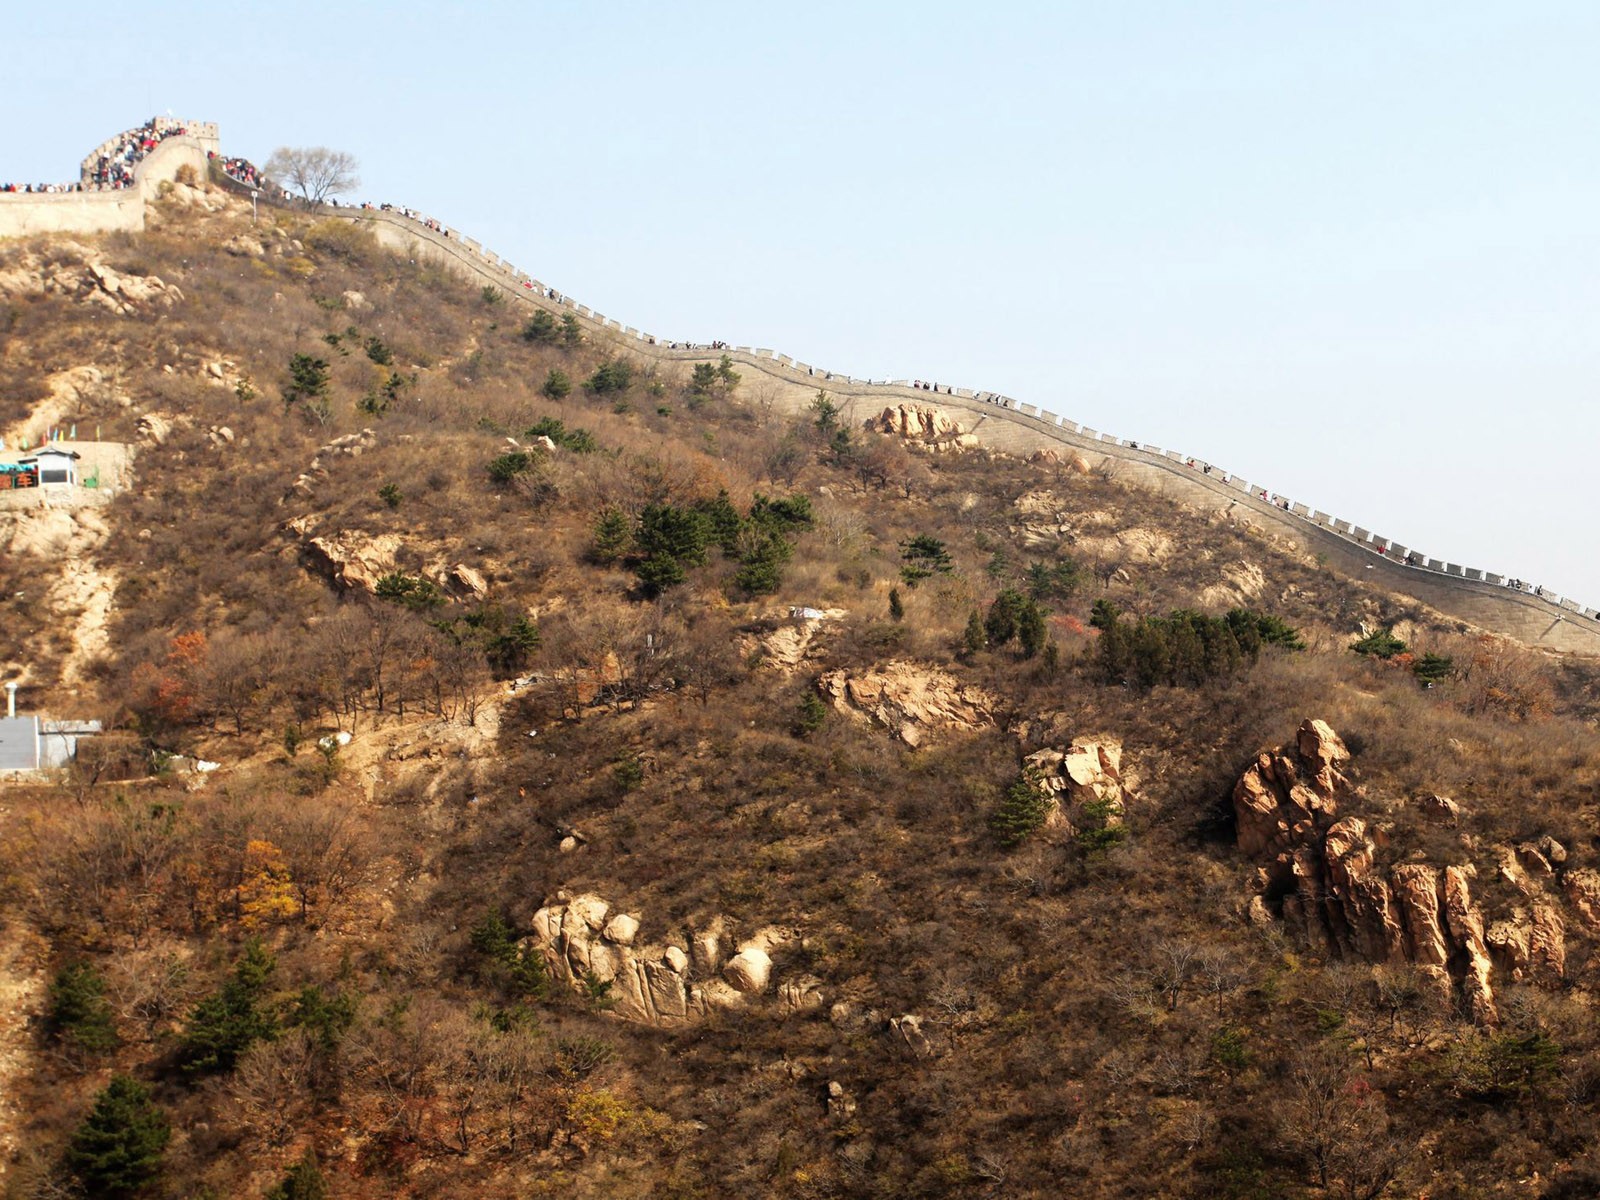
x,y
317,958
1184,649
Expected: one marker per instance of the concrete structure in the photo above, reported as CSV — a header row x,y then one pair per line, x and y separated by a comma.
x,y
29,744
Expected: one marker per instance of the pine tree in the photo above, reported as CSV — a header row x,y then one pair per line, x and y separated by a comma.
x,y
1021,811
303,1182
897,608
976,637
118,1147
611,535
79,1012
226,1023
1032,631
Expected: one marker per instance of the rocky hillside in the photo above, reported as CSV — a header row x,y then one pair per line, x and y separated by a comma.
x,y
532,770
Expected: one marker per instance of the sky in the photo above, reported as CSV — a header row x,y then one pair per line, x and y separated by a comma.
x,y
1348,251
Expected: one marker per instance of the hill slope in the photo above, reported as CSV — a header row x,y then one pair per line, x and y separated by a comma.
x,y
735,798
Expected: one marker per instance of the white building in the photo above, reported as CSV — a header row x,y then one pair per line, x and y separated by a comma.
x,y
33,744
54,465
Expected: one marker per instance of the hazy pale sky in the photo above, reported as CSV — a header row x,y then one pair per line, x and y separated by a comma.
x,y
1348,250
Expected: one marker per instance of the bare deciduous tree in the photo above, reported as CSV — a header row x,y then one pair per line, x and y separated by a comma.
x,y
316,172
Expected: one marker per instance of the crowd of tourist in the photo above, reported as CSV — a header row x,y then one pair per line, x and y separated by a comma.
x,y
114,168
240,170
40,188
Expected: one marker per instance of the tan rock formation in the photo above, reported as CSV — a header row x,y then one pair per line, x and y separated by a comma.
x,y
788,645
468,581
1322,868
349,559
1088,770
920,423
1466,933
1241,583
1547,946
1441,809
77,272
583,940
750,970
913,702
1583,893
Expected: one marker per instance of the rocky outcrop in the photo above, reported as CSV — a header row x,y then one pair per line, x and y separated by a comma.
x,y
1241,583
913,702
1321,875
586,944
349,559
794,638
1087,771
467,581
1044,520
1060,458
1287,798
920,424
1466,932
79,273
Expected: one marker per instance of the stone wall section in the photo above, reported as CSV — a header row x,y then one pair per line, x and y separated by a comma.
x,y
1001,424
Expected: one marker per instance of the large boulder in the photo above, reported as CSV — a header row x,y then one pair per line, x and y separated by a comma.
x,y
749,970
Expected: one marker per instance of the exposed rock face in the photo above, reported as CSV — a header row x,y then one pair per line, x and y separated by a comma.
x,y
79,273
582,939
911,701
787,646
348,559
1320,869
468,581
1060,458
1241,583
1466,931
155,428
1088,770
918,423
1286,799
1044,519
1583,893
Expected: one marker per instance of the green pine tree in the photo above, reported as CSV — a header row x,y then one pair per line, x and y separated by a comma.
x,y
118,1147
611,535
225,1024
79,1012
1021,812
303,1182
975,638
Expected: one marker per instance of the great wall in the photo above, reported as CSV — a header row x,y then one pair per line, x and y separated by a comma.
x,y
998,422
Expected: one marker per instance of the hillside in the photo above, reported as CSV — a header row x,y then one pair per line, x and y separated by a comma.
x,y
637,777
